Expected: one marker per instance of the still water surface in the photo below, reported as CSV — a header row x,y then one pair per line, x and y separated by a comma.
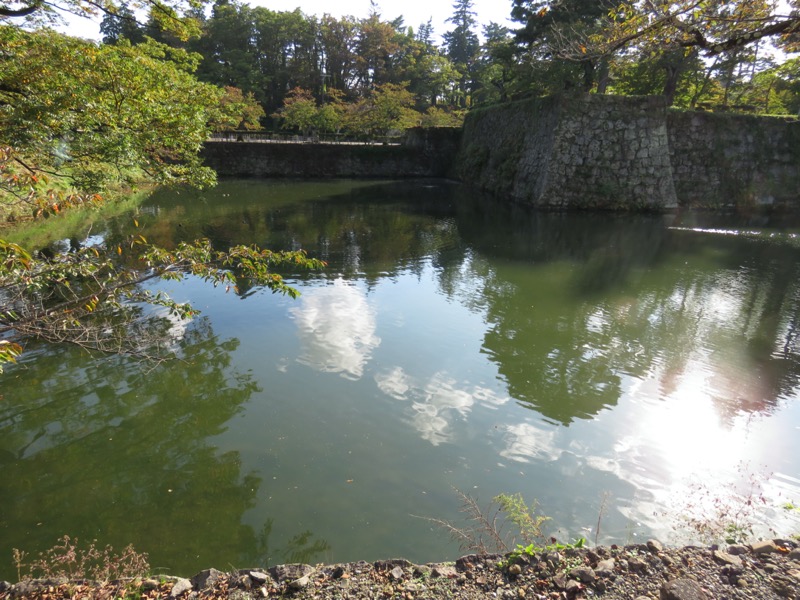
x,y
642,366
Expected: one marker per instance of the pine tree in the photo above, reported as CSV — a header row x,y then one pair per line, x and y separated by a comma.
x,y
463,47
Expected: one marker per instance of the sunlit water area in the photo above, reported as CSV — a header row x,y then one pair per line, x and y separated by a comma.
x,y
640,372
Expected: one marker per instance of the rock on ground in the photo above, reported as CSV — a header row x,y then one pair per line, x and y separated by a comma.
x,y
769,570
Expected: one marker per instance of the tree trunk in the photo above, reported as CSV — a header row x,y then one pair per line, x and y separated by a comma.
x,y
603,75
588,75
671,83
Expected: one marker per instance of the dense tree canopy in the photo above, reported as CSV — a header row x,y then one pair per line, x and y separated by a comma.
x,y
462,47
545,24
104,110
76,119
692,51
561,46
270,53
715,26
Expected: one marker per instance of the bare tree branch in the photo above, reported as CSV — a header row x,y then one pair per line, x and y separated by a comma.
x,y
20,12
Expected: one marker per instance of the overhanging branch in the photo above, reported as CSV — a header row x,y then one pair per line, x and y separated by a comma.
x,y
13,13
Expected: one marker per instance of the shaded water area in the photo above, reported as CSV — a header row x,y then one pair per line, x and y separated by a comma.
x,y
642,366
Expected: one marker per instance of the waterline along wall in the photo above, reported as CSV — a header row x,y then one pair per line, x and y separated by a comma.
x,y
579,152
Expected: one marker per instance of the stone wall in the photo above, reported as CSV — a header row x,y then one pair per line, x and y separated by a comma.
x,y
722,160
423,153
506,149
585,152
613,152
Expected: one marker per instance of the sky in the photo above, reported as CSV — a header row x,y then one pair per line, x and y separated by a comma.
x,y
415,12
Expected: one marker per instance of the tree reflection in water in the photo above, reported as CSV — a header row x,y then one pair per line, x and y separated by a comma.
x,y
124,454
577,302
685,333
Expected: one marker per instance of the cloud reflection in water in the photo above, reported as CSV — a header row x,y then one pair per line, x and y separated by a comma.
x,y
395,383
336,326
437,403
525,441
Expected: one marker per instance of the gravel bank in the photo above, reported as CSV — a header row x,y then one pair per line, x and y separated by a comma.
x,y
768,569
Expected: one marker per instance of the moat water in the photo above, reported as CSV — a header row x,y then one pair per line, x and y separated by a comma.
x,y
639,371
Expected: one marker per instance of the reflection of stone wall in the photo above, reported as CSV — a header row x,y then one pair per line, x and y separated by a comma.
x,y
423,154
615,152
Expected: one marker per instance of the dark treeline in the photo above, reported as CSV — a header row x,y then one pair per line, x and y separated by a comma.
x,y
272,55
340,68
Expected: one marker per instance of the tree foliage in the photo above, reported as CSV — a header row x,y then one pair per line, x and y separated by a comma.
x,y
674,35
93,296
546,24
268,53
121,24
177,17
238,111
387,108
712,26
715,26
463,47
375,51
76,119
299,110
91,114
686,50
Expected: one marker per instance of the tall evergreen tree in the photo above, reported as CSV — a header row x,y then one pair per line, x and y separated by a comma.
x,y
339,37
375,50
425,33
545,23
463,47
498,68
227,47
121,24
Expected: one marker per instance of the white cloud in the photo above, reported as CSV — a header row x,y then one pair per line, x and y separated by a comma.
x,y
432,426
442,393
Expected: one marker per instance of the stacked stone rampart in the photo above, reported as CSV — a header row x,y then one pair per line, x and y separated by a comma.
x,y
629,153
722,160
582,152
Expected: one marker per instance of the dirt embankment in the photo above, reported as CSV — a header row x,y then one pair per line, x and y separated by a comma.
x,y
762,570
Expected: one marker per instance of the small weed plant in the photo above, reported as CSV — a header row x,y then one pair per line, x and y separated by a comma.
x,y
525,517
70,560
509,525
795,508
553,545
